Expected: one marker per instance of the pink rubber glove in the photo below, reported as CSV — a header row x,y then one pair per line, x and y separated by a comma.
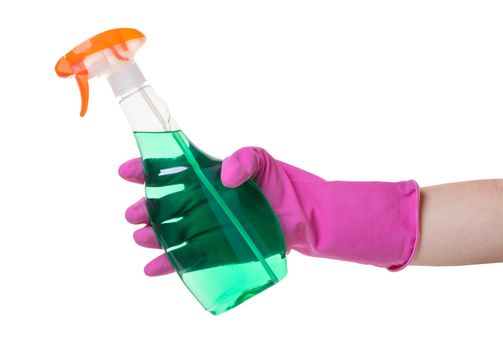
x,y
366,222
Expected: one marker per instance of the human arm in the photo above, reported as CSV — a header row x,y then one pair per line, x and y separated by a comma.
x,y
368,222
461,223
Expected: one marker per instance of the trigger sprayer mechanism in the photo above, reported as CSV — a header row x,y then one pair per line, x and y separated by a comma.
x,y
110,53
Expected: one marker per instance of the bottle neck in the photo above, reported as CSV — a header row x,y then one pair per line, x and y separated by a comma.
x,y
145,111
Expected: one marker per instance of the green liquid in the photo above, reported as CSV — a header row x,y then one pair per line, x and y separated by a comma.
x,y
225,243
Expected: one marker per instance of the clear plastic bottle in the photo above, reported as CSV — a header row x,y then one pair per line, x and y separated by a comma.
x,y
226,244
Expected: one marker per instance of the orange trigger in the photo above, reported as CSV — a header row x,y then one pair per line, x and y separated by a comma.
x,y
83,83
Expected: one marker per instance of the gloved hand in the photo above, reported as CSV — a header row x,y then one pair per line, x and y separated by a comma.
x,y
366,222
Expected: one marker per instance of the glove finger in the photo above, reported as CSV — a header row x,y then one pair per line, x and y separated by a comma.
x,y
132,171
159,266
137,213
241,165
146,238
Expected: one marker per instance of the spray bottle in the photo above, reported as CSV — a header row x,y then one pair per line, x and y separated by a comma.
x,y
226,244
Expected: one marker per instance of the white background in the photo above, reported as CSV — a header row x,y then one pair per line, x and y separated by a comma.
x,y
349,90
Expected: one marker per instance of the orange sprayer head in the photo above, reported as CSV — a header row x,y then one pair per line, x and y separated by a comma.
x,y
101,54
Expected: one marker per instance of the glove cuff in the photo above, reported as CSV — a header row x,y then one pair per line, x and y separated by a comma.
x,y
366,222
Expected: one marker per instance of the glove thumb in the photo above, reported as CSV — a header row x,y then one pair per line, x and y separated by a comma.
x,y
240,166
